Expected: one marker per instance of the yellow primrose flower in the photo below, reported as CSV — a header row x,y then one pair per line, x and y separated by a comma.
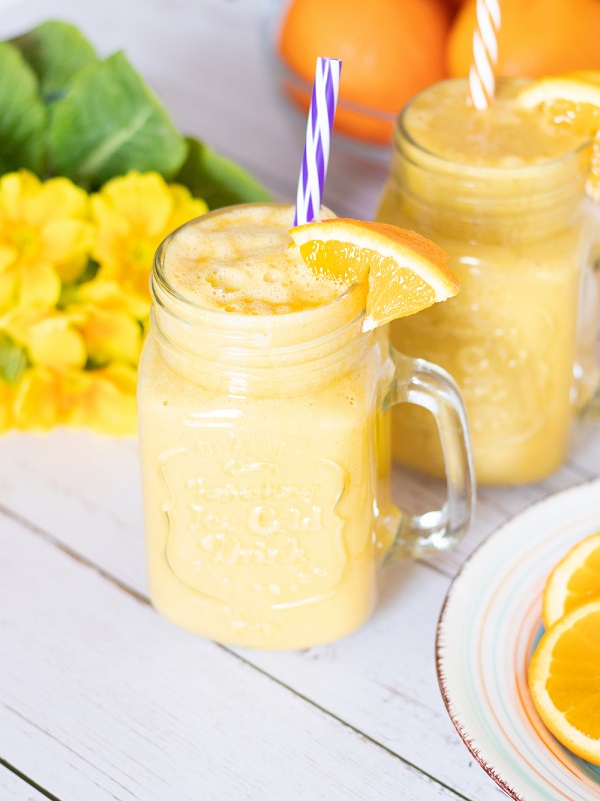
x,y
100,400
103,400
105,293
134,213
45,238
51,337
112,321
100,329
7,396
38,402
55,389
70,342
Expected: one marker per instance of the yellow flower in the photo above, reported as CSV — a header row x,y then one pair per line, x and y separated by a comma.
x,y
134,213
53,347
51,337
108,321
38,403
69,342
100,400
103,400
45,238
7,395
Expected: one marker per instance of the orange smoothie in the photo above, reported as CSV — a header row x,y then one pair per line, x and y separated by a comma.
x,y
502,191
257,413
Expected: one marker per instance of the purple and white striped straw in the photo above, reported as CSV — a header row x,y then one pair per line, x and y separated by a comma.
x,y
318,137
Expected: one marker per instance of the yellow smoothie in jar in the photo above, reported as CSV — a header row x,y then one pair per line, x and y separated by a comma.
x,y
501,190
258,432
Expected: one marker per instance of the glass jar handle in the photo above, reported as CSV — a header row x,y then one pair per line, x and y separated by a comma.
x,y
425,384
585,394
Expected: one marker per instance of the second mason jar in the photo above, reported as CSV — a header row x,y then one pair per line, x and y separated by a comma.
x,y
502,190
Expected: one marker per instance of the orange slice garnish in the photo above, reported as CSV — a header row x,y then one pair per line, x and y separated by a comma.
x,y
571,100
404,271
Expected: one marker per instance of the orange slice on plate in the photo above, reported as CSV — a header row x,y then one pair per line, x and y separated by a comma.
x,y
564,681
404,271
574,581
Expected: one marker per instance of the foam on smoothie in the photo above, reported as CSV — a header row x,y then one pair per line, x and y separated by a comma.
x,y
241,262
444,123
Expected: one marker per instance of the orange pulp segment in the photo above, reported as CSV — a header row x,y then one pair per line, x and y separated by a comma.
x,y
571,100
404,271
574,581
564,681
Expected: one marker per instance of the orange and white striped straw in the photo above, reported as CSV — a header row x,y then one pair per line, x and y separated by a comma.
x,y
482,79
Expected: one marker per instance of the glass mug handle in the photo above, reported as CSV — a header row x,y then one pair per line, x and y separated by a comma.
x,y
425,384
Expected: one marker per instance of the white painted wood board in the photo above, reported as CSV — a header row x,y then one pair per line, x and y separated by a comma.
x,y
381,680
90,669
13,788
101,698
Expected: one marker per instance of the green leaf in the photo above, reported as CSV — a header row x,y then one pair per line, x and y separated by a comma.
x,y
219,181
22,114
57,51
13,359
110,122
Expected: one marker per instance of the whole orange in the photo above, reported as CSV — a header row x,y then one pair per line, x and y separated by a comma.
x,y
454,5
536,37
390,49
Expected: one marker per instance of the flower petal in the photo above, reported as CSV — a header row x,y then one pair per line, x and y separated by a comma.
x,y
37,404
185,207
39,285
107,216
103,406
109,295
8,256
56,198
7,395
54,344
112,230
66,244
142,199
123,376
15,189
8,291
112,336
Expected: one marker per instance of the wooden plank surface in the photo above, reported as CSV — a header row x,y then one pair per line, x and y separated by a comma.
x,y
380,680
13,788
101,698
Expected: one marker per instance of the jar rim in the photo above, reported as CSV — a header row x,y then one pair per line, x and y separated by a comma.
x,y
164,293
244,337
484,170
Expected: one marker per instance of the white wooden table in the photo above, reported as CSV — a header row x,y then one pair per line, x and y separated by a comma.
x,y
100,698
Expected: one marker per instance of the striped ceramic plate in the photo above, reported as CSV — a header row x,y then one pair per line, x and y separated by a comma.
x,y
488,628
